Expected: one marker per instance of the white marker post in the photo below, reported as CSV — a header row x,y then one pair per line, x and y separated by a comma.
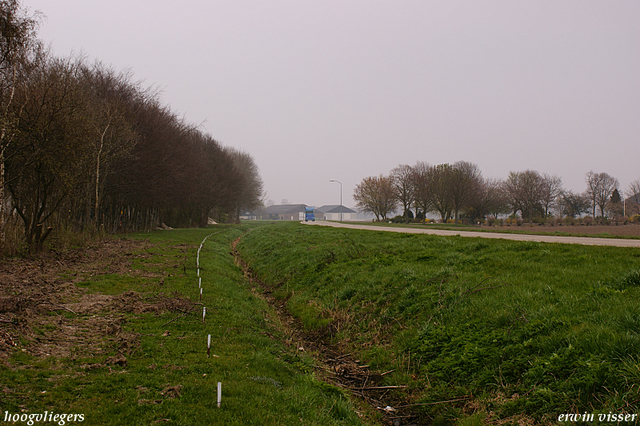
x,y
200,282
200,293
204,312
219,393
208,346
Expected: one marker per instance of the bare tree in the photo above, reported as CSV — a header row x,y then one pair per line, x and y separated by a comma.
x,y
109,124
524,190
600,186
376,195
489,199
550,190
442,201
83,145
402,179
423,188
464,180
18,47
573,205
251,189
50,157
498,201
593,184
633,195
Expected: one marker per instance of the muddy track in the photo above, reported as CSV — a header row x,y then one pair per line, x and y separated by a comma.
x,y
335,364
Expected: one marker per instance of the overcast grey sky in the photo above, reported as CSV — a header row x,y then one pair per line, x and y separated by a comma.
x,y
319,90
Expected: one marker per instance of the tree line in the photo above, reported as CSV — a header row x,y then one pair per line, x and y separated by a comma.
x,y
458,190
84,147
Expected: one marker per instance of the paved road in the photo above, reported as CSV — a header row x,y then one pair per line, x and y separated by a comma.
x,y
516,237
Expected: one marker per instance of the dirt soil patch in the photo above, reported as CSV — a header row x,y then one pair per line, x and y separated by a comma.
x,y
44,313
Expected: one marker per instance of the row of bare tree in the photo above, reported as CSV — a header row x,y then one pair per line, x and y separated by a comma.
x,y
84,147
452,190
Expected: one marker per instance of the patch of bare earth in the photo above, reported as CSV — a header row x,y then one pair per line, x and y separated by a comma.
x,y
43,312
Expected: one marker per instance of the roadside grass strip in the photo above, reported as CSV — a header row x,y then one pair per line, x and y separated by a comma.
x,y
171,355
471,330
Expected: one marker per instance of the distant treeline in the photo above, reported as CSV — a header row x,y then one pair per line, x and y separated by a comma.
x,y
458,190
83,147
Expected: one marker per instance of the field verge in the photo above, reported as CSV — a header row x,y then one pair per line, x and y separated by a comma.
x,y
116,333
477,330
626,231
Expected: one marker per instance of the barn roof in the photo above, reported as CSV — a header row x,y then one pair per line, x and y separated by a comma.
x,y
335,208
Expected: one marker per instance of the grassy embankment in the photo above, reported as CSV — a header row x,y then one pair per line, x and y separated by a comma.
x,y
606,231
511,328
166,376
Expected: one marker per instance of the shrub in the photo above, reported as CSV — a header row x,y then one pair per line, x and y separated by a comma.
x,y
620,220
398,219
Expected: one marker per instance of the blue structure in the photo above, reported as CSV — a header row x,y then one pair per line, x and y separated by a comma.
x,y
309,214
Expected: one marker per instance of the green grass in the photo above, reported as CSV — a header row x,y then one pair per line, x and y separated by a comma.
x,y
514,229
264,382
521,328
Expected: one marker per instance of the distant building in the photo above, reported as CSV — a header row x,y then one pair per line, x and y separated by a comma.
x,y
284,212
332,212
248,215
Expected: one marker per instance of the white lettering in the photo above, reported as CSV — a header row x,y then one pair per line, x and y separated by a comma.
x,y
47,416
62,419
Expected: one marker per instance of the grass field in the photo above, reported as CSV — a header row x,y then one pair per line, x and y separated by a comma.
x,y
507,331
126,343
627,231
455,330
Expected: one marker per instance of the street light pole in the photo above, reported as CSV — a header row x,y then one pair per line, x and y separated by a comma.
x,y
333,180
